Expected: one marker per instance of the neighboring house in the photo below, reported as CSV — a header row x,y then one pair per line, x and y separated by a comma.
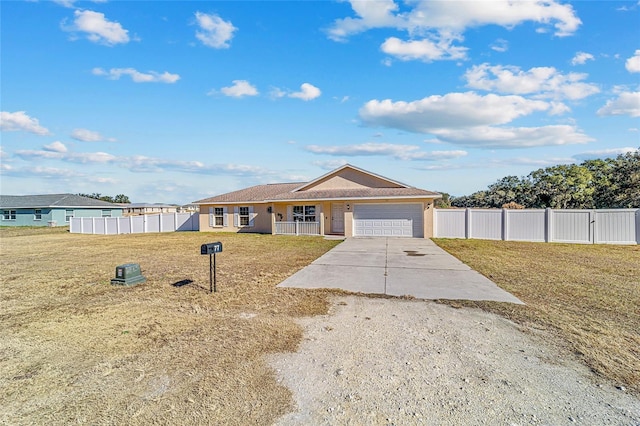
x,y
52,209
135,209
348,201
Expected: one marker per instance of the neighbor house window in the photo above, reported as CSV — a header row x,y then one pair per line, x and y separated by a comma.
x,y
9,215
304,213
244,216
218,214
68,214
37,214
106,213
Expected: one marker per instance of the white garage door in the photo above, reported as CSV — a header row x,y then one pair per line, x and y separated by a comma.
x,y
388,220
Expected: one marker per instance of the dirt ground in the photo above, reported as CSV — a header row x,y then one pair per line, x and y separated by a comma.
x,y
399,362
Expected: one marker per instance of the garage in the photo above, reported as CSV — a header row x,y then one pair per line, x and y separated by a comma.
x,y
388,220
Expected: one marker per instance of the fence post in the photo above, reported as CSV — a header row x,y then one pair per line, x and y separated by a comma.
x,y
548,216
592,226
118,225
467,223
505,224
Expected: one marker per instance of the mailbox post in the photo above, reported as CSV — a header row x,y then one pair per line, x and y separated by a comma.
x,y
211,249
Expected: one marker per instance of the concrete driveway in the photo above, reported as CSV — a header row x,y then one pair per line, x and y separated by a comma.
x,y
397,267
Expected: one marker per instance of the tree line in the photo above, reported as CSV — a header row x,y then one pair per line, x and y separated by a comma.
x,y
593,184
119,199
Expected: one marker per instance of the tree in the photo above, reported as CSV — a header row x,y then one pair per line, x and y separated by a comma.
x,y
562,187
444,202
509,189
625,178
600,184
120,198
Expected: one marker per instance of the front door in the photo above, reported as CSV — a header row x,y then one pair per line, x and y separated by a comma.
x,y
337,218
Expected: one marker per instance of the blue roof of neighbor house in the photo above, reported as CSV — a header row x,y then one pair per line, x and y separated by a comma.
x,y
53,200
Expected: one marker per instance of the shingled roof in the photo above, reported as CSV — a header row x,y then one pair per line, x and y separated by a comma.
x,y
53,200
307,191
337,194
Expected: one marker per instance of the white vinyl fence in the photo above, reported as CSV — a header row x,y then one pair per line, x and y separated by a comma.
x,y
167,222
619,226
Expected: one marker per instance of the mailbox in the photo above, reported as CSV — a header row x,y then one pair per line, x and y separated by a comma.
x,y
211,248
128,274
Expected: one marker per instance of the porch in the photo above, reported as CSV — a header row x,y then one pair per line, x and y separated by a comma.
x,y
297,228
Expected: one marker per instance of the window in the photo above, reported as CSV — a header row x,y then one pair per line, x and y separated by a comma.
x,y
106,213
218,213
304,213
244,216
68,214
37,214
9,215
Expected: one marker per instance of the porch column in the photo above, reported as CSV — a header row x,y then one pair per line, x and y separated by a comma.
x,y
273,220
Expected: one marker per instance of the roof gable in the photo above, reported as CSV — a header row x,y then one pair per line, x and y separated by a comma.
x,y
349,177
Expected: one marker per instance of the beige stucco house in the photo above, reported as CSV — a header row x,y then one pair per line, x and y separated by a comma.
x,y
348,201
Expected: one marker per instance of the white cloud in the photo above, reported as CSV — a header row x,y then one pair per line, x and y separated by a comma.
x,y
214,31
240,89
137,76
307,92
515,137
401,152
633,63
603,153
330,164
581,58
19,120
85,135
500,45
433,26
627,103
276,93
140,163
98,28
544,82
451,110
425,50
56,146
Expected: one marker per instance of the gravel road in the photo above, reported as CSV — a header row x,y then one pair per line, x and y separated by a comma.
x,y
395,362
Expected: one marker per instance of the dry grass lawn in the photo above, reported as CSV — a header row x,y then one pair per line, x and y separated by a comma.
x,y
589,295
75,349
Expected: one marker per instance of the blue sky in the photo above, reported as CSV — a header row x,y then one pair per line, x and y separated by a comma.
x,y
173,101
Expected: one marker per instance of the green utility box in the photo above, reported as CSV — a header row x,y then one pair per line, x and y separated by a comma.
x,y
128,274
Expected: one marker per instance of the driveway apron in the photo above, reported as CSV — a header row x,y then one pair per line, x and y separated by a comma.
x,y
397,267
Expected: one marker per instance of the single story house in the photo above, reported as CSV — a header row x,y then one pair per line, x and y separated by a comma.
x,y
52,209
347,201
135,209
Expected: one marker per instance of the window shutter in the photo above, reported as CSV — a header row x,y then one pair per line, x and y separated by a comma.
x,y
318,213
251,216
236,217
211,218
225,220
289,213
